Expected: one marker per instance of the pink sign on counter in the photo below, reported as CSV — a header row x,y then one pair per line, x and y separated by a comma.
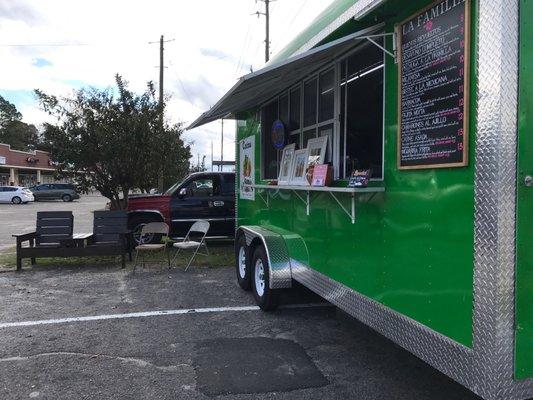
x,y
320,175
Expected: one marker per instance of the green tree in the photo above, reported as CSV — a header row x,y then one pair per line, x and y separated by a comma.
x,y
13,131
114,140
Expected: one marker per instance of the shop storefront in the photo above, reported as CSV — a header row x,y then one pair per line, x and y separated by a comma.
x,y
21,168
385,162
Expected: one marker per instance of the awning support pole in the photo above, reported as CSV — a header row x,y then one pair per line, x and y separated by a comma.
x,y
392,54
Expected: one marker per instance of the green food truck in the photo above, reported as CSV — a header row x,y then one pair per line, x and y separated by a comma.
x,y
385,161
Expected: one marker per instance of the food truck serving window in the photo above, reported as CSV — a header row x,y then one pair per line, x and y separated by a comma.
x,y
351,89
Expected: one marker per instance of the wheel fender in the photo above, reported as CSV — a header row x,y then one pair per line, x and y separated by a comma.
x,y
279,263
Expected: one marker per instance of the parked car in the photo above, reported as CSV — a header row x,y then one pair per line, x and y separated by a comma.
x,y
205,195
15,195
55,191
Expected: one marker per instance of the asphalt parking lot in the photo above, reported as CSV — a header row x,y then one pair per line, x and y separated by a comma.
x,y
21,218
104,333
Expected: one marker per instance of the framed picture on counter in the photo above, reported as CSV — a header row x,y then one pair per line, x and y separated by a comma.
x,y
285,170
317,150
299,168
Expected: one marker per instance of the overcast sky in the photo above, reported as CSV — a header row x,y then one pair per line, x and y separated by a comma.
x,y
77,43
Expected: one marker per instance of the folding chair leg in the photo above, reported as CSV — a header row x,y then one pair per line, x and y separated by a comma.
x,y
168,257
175,256
136,258
192,258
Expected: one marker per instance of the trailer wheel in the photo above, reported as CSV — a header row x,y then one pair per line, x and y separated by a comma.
x,y
242,265
266,298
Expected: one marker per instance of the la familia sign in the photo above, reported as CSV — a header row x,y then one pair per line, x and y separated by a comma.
x,y
430,14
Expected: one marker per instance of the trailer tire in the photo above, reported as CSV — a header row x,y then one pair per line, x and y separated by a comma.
x,y
266,298
242,266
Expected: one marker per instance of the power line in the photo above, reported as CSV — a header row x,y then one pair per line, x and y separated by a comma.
x,y
182,85
289,25
245,46
47,45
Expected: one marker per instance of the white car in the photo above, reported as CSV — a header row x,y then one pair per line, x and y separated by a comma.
x,y
15,194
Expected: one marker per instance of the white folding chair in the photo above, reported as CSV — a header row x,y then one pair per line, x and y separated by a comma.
x,y
200,227
156,228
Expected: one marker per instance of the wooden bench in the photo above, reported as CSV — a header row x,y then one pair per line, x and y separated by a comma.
x,y
53,237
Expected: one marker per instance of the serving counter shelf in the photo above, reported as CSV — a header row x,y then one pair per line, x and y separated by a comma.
x,y
305,197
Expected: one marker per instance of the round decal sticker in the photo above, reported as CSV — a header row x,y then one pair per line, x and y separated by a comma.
x,y
278,134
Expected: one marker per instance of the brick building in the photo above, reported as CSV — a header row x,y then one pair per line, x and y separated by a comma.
x,y
25,168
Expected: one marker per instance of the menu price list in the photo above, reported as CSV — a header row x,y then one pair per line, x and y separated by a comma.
x,y
433,86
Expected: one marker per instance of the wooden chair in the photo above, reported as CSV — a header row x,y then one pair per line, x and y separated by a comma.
x,y
110,235
52,229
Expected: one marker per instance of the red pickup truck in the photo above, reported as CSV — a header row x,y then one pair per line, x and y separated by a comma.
x,y
205,195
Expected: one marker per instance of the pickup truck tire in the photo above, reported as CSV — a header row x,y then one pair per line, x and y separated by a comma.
x,y
266,298
66,198
242,265
136,224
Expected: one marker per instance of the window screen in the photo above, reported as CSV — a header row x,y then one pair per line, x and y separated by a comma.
x,y
364,112
284,110
269,114
310,102
326,96
295,109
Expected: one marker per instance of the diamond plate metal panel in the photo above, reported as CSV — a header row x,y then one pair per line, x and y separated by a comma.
x,y
495,202
437,350
278,258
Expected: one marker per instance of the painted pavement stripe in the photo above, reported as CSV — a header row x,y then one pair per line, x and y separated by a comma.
x,y
148,314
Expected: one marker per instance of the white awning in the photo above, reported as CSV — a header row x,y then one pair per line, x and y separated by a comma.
x,y
256,88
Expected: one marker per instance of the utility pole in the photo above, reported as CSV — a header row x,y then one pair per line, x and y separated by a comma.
x,y
222,146
267,26
212,166
161,74
161,97
267,34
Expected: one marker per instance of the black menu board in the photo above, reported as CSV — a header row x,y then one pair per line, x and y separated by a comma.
x,y
434,86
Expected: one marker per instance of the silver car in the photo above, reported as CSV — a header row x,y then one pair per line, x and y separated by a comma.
x,y
15,195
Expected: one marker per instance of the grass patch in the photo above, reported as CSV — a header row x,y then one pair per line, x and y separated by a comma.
x,y
221,255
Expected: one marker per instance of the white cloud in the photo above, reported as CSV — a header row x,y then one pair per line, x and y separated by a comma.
x,y
214,42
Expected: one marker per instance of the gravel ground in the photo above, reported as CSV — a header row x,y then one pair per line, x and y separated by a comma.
x,y
296,352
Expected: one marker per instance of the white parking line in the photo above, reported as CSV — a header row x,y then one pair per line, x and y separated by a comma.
x,y
148,314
